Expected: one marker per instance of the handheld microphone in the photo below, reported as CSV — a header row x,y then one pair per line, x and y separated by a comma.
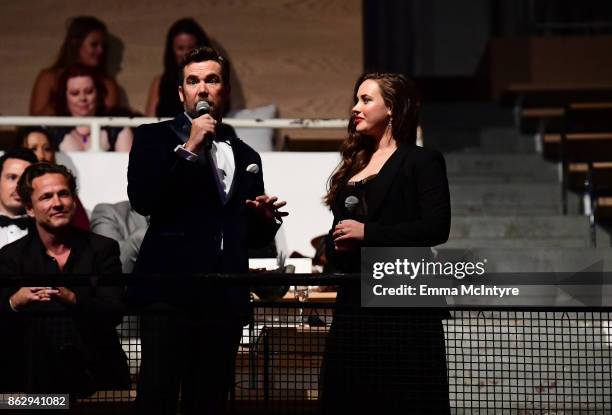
x,y
202,108
351,203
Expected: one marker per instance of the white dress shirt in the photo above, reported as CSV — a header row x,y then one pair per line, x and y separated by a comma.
x,y
10,234
222,157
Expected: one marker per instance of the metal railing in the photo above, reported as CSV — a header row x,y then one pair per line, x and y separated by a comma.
x,y
538,360
96,123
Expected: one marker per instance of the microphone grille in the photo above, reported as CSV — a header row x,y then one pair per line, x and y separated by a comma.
x,y
351,202
202,107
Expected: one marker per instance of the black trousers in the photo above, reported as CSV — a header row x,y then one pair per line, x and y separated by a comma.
x,y
191,356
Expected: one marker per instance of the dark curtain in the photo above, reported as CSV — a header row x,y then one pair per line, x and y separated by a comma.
x,y
387,36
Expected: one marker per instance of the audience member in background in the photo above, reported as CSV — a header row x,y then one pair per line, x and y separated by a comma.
x,y
81,92
390,360
14,224
70,341
184,35
123,224
13,220
85,44
38,140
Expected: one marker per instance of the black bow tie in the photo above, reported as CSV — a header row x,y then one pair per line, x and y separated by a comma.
x,y
219,139
21,221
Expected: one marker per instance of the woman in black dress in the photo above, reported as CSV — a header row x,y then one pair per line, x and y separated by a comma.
x,y
391,360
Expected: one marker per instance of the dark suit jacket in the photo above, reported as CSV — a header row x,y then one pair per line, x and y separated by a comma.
x,y
408,205
97,311
188,219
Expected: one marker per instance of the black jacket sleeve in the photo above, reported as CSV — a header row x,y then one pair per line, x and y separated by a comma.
x,y
433,199
155,174
260,232
99,297
9,267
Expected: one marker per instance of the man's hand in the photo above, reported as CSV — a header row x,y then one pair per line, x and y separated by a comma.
x,y
65,295
347,235
267,207
26,295
201,127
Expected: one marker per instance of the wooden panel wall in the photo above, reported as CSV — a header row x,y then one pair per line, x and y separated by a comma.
x,y
302,55
550,60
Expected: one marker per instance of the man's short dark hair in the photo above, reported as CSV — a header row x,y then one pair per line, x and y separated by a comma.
x,y
24,154
203,54
24,186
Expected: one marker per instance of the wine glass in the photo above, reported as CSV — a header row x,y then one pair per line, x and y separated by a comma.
x,y
300,292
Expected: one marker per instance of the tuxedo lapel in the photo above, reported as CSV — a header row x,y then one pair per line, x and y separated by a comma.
x,y
181,127
384,180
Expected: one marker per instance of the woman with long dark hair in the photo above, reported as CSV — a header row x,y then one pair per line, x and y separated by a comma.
x,y
84,44
183,36
391,360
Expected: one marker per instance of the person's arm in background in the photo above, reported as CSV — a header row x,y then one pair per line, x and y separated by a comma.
x,y
105,221
124,140
42,92
153,98
112,99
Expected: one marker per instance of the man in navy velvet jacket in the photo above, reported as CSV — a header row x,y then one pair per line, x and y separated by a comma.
x,y
203,189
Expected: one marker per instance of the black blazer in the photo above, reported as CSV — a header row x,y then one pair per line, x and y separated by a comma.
x,y
91,254
188,219
408,205
98,308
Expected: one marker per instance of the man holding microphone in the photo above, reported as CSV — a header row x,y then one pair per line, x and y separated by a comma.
x,y
203,189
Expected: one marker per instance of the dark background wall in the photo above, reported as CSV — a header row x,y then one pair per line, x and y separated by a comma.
x,y
448,38
302,55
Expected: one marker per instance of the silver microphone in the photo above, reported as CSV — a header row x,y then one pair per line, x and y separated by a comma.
x,y
351,203
202,108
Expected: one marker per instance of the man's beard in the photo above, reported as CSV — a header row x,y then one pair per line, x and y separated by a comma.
x,y
193,113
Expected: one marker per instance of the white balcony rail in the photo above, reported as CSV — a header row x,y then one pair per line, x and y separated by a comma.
x,y
96,123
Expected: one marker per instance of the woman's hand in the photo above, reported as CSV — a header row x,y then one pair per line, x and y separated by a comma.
x,y
347,235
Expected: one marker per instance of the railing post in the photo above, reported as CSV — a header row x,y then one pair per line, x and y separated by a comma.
x,y
95,136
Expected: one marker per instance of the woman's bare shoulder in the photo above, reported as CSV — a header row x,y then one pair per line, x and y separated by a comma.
x,y
48,75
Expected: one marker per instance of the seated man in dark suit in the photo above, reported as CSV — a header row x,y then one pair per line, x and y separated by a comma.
x,y
13,225
70,340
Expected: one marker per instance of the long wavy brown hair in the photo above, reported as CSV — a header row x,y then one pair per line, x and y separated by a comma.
x,y
78,29
399,94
